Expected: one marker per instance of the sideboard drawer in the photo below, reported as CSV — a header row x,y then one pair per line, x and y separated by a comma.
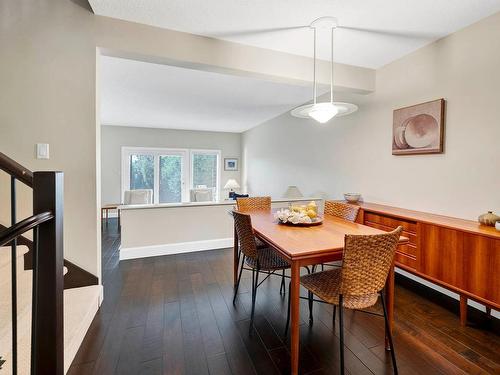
x,y
408,249
412,237
390,222
405,260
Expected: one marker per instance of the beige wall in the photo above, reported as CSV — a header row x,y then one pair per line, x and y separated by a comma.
x,y
353,154
48,95
114,137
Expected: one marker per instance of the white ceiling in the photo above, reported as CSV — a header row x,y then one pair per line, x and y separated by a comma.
x,y
374,32
143,94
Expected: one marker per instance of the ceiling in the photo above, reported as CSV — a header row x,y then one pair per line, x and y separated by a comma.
x,y
135,93
373,32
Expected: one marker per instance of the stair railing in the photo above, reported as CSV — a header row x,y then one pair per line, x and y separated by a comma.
x,y
47,333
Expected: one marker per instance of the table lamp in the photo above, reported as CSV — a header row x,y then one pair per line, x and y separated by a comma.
x,y
231,184
293,192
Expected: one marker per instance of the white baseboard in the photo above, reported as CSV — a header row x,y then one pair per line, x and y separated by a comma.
x,y
444,291
174,248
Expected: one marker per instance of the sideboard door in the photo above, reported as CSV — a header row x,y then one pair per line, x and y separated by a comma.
x,y
442,255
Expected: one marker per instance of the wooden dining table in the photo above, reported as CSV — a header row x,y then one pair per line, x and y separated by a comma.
x,y
305,246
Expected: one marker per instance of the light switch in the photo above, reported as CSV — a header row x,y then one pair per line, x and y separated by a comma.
x,y
42,150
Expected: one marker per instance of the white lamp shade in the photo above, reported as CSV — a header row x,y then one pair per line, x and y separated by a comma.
x,y
231,184
293,192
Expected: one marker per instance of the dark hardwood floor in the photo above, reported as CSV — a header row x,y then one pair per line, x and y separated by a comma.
x,y
174,315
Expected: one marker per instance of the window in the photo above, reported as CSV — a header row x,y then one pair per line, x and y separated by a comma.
x,y
167,171
205,170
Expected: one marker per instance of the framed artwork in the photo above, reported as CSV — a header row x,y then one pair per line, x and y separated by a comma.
x,y
230,164
419,129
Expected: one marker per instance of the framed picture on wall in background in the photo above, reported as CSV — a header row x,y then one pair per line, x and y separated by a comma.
x,y
230,164
419,129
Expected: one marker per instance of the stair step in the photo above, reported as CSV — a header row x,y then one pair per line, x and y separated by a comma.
x,y
80,307
5,254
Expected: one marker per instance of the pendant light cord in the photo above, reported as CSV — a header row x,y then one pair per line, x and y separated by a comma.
x,y
314,70
331,75
315,90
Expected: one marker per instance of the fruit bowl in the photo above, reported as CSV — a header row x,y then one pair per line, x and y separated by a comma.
x,y
299,215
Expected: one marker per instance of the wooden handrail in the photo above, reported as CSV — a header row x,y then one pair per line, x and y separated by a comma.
x,y
23,226
15,169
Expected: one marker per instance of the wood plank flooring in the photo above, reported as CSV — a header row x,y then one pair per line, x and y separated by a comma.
x,y
174,315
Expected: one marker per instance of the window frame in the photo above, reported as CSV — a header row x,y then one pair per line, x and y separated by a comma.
x,y
186,173
217,153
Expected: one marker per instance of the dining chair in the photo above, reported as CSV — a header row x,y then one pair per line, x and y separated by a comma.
x,y
264,259
253,203
367,260
259,204
343,210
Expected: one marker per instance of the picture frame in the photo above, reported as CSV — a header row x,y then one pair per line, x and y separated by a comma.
x,y
230,164
419,129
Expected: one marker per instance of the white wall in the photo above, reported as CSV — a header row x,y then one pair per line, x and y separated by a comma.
x,y
114,137
353,154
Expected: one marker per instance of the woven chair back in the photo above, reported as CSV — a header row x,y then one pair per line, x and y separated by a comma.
x,y
366,262
343,210
253,203
244,231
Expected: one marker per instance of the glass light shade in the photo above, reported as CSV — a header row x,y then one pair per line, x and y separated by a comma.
x,y
343,109
231,184
323,112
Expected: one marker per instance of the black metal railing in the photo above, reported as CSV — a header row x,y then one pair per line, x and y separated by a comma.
x,y
47,350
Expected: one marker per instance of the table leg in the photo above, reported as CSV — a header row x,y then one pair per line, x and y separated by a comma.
x,y
107,216
119,218
295,317
236,259
389,298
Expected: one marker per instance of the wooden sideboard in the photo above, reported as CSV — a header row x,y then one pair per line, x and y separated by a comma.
x,y
460,255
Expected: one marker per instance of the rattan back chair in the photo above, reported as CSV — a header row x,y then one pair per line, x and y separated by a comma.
x,y
366,263
244,231
255,258
253,203
343,210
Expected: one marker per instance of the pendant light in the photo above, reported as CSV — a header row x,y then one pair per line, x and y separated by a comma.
x,y
325,111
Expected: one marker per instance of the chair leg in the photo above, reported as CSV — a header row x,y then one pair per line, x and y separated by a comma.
x,y
255,275
239,278
288,313
282,287
310,301
389,334
333,318
341,322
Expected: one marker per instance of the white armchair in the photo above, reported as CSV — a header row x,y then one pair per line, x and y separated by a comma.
x,y
201,195
139,196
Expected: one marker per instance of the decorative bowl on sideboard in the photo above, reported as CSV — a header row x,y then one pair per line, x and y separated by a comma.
x,y
352,197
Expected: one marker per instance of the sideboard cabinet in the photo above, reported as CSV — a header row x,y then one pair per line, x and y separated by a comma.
x,y
460,255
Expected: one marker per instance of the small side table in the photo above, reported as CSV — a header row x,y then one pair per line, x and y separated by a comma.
x,y
105,210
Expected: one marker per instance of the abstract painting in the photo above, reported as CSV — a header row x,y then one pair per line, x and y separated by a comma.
x,y
419,129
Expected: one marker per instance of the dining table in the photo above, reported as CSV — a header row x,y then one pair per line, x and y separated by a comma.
x,y
305,246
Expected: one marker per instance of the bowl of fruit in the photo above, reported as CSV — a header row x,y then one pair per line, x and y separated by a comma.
x,y
303,215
